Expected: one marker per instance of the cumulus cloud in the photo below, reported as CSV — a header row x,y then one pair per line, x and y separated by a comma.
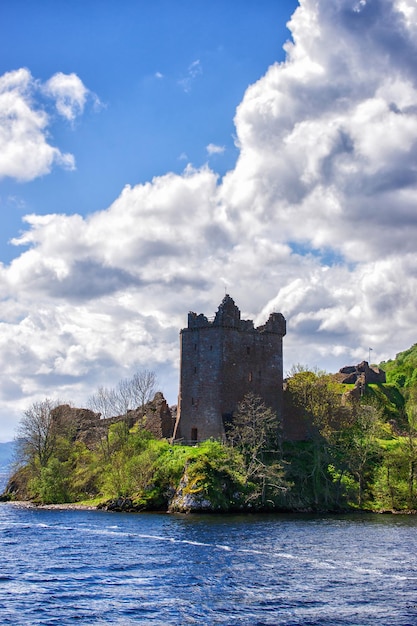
x,y
25,151
332,132
317,220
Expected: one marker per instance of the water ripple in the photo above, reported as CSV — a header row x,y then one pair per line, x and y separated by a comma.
x,y
104,568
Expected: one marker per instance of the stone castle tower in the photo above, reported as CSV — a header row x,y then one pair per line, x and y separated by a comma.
x,y
223,359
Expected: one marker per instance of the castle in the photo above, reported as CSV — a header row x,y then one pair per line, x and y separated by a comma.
x,y
223,359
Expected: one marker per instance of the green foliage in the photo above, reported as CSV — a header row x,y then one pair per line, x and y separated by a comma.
x,y
402,370
338,466
51,486
390,401
360,454
216,475
85,473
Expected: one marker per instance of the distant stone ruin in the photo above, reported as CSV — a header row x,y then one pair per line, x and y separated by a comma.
x,y
362,373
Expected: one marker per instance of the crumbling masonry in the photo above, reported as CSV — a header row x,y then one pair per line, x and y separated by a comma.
x,y
222,360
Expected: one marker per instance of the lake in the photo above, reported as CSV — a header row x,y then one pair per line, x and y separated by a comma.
x,y
94,567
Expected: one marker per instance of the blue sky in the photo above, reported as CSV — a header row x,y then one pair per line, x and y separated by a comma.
x,y
154,155
165,78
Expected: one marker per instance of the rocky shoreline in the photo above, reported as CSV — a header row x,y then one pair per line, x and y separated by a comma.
x,y
27,504
126,507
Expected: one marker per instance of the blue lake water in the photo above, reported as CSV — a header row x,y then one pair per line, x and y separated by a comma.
x,y
93,567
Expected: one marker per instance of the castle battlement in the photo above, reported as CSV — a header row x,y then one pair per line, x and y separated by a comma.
x,y
228,316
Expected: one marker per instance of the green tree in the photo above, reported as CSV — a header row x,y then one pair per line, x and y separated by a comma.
x,y
51,487
363,450
314,396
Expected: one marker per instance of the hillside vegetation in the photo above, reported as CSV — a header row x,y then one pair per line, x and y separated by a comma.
x,y
361,454
402,372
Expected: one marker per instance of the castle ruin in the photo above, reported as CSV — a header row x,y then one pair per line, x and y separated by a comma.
x,y
223,359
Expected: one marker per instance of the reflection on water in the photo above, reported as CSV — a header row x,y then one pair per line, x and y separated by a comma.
x,y
106,568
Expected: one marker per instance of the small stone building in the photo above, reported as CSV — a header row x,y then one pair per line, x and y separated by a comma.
x,y
223,359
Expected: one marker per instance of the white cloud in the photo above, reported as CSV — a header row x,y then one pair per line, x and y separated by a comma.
x,y
25,151
317,220
212,148
69,93
194,70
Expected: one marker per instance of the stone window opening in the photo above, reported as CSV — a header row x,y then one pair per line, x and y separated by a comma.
x,y
247,350
194,435
250,377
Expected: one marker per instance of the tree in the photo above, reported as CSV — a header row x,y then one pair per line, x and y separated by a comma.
x,y
255,431
101,402
143,386
130,393
363,448
37,433
314,393
254,428
313,396
51,485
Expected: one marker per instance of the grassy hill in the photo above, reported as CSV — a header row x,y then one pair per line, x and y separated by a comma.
x,y
402,371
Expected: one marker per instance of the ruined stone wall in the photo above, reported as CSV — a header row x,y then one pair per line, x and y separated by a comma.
x,y
86,426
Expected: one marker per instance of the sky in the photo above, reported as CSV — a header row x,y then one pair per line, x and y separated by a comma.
x,y
157,155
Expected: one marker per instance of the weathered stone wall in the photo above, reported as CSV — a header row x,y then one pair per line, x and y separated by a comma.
x,y
155,417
